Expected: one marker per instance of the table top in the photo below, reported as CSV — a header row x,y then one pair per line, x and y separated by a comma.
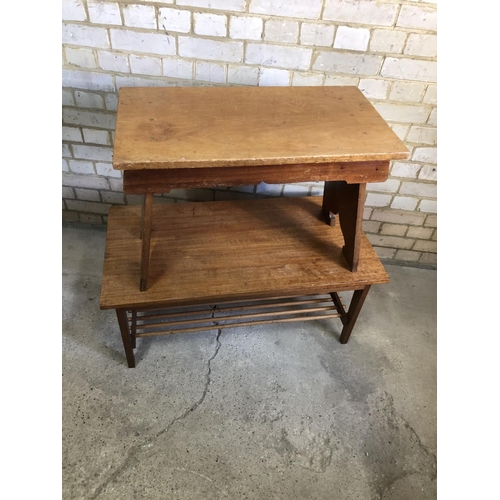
x,y
213,252
195,127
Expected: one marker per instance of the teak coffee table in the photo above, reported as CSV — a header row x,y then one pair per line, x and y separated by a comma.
x,y
235,263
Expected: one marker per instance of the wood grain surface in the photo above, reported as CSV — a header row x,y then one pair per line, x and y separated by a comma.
x,y
204,253
190,127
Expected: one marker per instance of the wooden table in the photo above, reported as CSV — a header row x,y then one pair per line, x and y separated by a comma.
x,y
264,252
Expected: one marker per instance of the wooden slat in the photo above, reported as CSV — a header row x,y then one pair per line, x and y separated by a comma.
x,y
214,252
193,127
161,181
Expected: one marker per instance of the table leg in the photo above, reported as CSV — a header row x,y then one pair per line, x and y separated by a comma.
x,y
357,302
348,201
121,314
146,223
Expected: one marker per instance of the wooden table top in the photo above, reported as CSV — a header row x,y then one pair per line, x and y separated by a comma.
x,y
212,252
193,127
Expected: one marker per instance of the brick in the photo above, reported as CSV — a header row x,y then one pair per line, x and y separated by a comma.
x,y
291,8
152,43
104,13
67,98
245,28
87,181
370,226
88,100
339,62
319,35
175,20
71,134
243,75
398,217
431,221
242,189
390,241
428,258
72,10
367,211
384,253
87,194
278,30
96,136
269,189
388,186
115,184
295,190
69,216
407,255
113,61
233,5
402,112
81,167
399,129
68,193
378,200
87,80
271,77
306,79
88,118
400,169
428,206
66,151
87,206
318,188
423,233
141,81
360,12
374,89
430,96
139,16
393,229
428,173
432,118
177,68
406,91
409,69
416,17
89,36
334,80
65,167
114,198
210,72
388,41
83,58
107,170
435,235
232,195
421,45
90,219
93,153
212,50
145,65
422,135
111,101
426,155
351,38
419,189
210,24
404,203
278,55
425,246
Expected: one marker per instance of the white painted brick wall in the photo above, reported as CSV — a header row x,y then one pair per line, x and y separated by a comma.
x,y
210,24
385,47
246,28
175,20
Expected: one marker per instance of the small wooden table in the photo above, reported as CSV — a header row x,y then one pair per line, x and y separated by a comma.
x,y
261,259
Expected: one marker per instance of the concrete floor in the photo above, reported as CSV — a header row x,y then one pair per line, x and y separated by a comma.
x,y
268,412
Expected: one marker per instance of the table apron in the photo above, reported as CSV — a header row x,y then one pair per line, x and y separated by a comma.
x,y
163,180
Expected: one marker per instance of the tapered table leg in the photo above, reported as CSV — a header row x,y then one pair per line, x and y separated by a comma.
x,y
121,314
146,223
352,314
